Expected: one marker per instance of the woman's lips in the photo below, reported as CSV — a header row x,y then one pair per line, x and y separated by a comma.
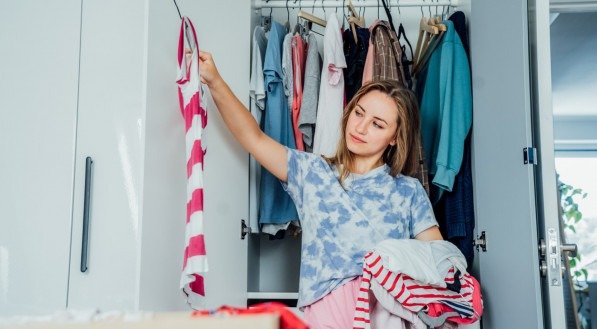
x,y
356,139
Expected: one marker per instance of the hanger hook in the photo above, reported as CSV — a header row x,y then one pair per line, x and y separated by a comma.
x,y
177,9
323,7
362,11
398,7
287,12
377,9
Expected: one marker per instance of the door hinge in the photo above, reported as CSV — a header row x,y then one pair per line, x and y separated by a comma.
x,y
530,155
481,241
244,229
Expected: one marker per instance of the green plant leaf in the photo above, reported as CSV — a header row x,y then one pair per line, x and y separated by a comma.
x,y
572,229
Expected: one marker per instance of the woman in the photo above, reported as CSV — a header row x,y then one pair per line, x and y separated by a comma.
x,y
349,202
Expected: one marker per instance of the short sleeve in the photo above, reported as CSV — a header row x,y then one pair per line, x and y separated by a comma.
x,y
299,163
421,211
334,51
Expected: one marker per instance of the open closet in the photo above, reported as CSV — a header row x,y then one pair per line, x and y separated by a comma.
x,y
414,29
97,79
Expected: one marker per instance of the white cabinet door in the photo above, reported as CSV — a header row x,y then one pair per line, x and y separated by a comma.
x,y
38,104
515,203
110,130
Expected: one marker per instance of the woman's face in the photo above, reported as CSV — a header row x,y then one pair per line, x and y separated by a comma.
x,y
371,125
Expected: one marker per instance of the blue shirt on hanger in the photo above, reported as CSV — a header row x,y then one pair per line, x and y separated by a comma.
x,y
275,206
446,109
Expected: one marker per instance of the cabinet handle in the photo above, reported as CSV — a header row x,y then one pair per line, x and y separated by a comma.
x,y
85,242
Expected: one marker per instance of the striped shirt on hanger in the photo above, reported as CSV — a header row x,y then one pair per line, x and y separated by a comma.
x,y
195,119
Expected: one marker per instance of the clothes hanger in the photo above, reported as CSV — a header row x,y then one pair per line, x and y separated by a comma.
x,y
311,18
298,28
354,20
431,46
355,17
425,32
389,15
186,26
287,24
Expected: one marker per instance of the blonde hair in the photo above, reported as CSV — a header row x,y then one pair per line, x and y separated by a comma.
x,y
404,156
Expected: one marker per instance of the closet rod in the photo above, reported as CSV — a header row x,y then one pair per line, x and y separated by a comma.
x,y
340,3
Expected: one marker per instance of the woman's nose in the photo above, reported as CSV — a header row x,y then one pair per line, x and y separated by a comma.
x,y
361,127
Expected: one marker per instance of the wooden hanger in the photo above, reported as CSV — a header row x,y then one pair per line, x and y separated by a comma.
x,y
425,32
431,45
312,18
354,20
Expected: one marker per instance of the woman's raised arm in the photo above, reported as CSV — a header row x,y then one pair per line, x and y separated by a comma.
x,y
269,153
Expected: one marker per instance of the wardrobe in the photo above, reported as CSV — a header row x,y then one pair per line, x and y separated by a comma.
x,y
89,78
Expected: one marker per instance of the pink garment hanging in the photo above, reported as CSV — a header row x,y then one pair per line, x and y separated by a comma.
x,y
299,55
195,118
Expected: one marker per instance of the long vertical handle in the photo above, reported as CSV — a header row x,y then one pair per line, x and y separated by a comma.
x,y
85,242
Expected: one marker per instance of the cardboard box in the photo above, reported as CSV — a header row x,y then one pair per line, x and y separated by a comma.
x,y
173,320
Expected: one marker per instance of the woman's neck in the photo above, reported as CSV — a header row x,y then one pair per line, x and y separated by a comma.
x,y
365,165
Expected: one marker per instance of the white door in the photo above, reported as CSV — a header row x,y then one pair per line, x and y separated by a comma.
x,y
516,203
39,67
110,131
131,126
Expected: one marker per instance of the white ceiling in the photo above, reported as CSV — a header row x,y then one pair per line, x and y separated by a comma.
x,y
574,64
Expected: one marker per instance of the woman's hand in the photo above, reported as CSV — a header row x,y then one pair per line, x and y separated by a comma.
x,y
207,69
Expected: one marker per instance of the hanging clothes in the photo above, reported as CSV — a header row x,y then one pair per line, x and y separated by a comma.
x,y
195,118
257,95
455,211
385,60
331,92
299,49
287,78
446,110
311,85
404,61
257,82
275,205
384,55
355,55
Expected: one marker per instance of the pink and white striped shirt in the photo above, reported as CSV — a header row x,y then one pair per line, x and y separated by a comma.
x,y
411,294
195,119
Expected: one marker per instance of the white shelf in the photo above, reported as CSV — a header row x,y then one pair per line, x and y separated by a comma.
x,y
272,295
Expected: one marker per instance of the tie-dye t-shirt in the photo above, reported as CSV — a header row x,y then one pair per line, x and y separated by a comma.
x,y
341,224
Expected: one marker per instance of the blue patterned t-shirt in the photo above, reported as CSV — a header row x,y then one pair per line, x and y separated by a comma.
x,y
340,225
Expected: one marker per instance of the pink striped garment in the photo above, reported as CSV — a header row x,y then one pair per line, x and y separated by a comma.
x,y
411,294
195,119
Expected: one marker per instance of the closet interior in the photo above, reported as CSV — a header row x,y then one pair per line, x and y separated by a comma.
x,y
274,261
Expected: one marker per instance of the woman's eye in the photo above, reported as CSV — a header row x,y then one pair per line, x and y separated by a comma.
x,y
358,113
377,125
